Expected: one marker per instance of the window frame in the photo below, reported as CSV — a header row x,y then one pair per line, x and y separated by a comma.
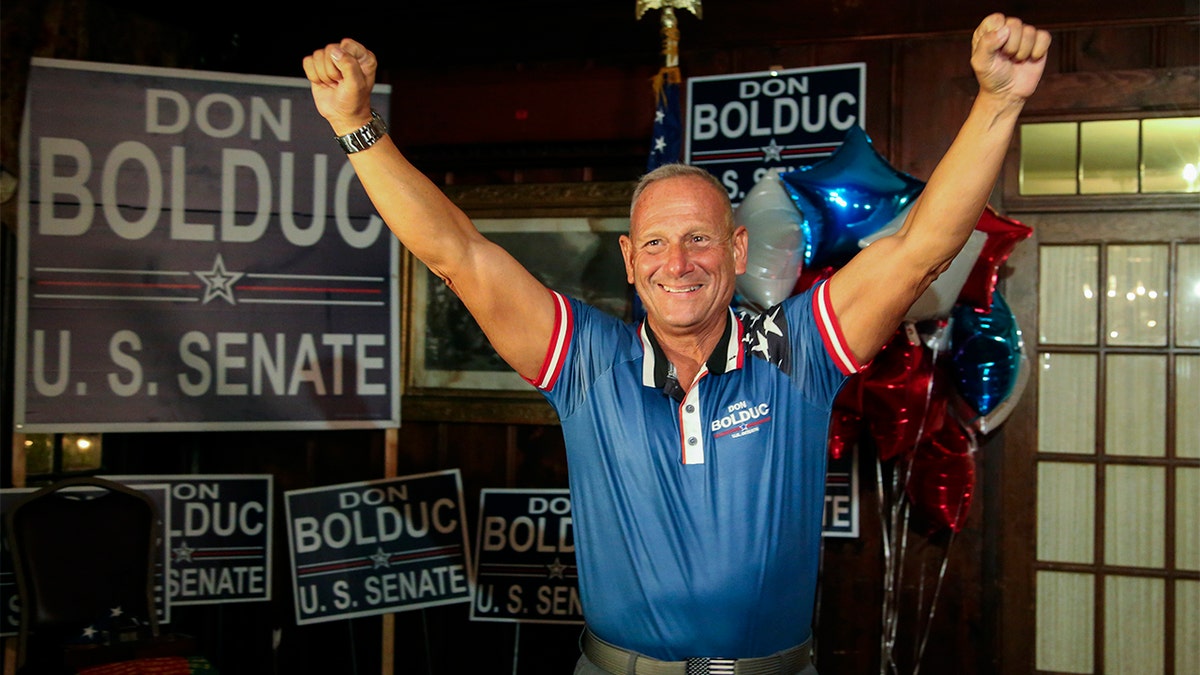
x,y
1015,201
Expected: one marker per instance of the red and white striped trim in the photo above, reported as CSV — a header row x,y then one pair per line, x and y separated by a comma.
x,y
831,332
564,326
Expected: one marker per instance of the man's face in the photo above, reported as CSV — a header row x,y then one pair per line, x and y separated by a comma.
x,y
683,255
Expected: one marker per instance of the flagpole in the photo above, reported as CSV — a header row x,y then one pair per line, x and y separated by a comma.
x,y
667,136
669,24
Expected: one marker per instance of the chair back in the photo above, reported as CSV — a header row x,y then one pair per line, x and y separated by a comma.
x,y
83,555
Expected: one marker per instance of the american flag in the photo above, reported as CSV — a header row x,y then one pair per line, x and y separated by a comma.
x,y
707,666
666,143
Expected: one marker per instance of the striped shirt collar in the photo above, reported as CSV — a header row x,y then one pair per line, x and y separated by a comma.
x,y
658,372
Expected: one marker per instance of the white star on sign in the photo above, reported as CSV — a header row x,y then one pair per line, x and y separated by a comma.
x,y
89,632
183,552
556,569
116,611
380,558
772,152
218,282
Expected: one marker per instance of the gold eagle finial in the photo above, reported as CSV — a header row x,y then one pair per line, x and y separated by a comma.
x,y
670,29
692,6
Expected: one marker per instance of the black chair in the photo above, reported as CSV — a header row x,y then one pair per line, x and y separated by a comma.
x,y
84,557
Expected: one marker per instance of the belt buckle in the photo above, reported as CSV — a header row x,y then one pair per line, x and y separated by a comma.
x,y
709,666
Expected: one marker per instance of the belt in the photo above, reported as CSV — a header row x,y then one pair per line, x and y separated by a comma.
x,y
618,661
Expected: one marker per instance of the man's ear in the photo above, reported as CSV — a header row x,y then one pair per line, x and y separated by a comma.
x,y
627,255
741,243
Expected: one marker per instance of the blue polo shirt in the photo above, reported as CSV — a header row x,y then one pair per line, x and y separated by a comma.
x,y
697,517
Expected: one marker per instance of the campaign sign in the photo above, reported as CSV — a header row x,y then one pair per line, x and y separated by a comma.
x,y
525,558
219,541
195,253
841,496
378,547
742,125
161,497
10,602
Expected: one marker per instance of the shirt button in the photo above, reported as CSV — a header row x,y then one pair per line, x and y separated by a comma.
x,y
690,408
692,440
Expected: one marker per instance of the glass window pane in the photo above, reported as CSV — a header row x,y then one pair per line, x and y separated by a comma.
x,y
1108,157
1187,626
39,454
1134,516
1135,413
1187,297
1065,622
1067,403
1136,295
1187,402
1067,289
1133,625
81,452
1187,515
1066,508
1048,158
1171,155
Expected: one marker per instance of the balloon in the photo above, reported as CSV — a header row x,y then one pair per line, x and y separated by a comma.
x,y
845,427
810,277
935,334
941,478
900,404
939,299
989,362
847,196
845,421
1003,235
985,424
776,247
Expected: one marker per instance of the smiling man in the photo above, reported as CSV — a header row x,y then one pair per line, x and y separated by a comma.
x,y
696,440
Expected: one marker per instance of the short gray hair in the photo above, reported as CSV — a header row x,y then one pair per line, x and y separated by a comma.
x,y
674,171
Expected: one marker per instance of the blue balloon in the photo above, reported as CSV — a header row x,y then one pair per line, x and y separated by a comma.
x,y
988,360
850,195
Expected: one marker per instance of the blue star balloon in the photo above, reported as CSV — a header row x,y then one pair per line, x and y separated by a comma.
x,y
989,362
846,197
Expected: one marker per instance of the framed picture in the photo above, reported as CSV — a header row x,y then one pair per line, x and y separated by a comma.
x,y
567,236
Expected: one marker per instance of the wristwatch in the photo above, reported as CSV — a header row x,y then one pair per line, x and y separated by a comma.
x,y
364,136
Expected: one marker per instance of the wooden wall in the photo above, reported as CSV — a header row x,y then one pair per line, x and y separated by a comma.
x,y
589,119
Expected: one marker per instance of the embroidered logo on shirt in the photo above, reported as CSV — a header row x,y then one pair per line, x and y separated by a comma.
x,y
741,419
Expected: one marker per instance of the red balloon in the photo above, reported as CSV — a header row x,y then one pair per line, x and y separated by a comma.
x,y
941,479
845,421
900,404
1003,235
810,277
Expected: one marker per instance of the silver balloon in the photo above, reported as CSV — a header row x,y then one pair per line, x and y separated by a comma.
x,y
939,299
775,252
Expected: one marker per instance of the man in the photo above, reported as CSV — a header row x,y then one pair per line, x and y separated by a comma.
x,y
695,441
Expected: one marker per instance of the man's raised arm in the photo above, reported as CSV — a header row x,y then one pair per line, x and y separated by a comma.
x,y
510,304
872,293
